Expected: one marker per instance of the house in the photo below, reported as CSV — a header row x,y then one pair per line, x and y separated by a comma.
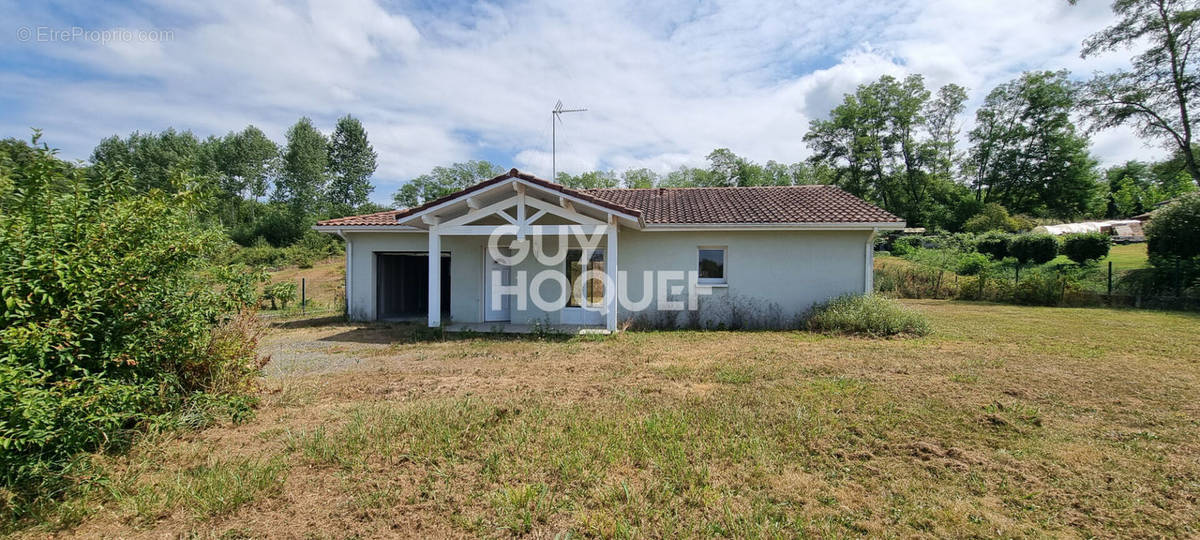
x,y
517,251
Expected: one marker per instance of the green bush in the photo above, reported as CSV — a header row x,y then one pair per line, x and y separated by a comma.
x,y
994,245
905,245
1174,230
971,264
283,291
111,317
993,217
1034,248
1085,247
871,315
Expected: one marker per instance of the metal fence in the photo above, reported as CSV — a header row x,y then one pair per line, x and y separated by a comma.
x,y
1175,288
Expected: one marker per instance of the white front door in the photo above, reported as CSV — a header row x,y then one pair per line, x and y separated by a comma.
x,y
496,273
586,305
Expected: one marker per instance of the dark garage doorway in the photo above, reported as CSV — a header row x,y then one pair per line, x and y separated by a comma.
x,y
402,285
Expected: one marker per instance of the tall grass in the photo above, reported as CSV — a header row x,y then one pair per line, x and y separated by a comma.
x,y
870,315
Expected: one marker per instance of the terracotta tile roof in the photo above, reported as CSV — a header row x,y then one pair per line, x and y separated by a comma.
x,y
765,204
387,217
513,173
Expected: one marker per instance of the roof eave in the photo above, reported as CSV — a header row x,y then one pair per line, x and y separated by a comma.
x,y
799,226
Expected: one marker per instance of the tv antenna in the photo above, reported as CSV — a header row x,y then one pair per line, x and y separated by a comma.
x,y
555,118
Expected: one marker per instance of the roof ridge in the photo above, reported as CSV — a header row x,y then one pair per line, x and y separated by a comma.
x,y
705,187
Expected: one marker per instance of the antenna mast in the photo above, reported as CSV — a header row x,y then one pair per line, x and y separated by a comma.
x,y
555,118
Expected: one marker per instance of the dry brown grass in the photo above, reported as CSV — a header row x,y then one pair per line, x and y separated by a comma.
x,y
1007,421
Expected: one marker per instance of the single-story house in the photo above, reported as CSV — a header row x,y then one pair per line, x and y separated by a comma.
x,y
517,251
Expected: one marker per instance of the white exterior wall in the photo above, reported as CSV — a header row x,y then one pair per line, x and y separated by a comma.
x,y
790,269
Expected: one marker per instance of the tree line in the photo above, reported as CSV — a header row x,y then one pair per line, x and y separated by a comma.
x,y
895,142
260,191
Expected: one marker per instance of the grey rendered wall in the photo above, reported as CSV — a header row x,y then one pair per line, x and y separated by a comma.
x,y
790,269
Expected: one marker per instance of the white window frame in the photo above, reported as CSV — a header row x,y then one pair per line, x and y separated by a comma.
x,y
714,282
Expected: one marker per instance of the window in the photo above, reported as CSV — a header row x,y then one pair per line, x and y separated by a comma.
x,y
712,266
593,289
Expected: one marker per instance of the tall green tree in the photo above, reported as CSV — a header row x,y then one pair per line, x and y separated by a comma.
x,y
442,181
1156,94
1027,154
942,121
352,161
247,161
304,174
892,143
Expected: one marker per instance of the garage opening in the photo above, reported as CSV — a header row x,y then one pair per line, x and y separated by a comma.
x,y
402,285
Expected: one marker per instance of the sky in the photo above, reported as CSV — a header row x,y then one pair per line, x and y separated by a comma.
x,y
664,82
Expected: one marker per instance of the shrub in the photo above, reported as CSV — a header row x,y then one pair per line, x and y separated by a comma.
x,y
1085,247
994,244
283,291
1034,248
905,245
971,264
109,314
993,217
871,315
1174,230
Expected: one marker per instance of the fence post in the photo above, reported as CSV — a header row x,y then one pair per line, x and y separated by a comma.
x,y
303,295
1017,279
1110,283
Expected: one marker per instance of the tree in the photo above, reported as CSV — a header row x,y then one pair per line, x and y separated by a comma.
x,y
246,162
1154,96
352,161
1026,153
442,181
891,143
942,122
993,217
305,164
589,180
639,178
156,161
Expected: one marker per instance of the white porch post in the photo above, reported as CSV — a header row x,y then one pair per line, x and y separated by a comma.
x,y
610,292
435,276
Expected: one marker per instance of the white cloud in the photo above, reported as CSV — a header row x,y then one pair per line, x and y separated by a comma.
x,y
664,83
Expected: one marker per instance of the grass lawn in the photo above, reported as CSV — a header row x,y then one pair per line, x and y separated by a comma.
x,y
1007,421
1123,256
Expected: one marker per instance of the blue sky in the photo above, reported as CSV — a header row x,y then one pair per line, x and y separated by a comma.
x,y
434,83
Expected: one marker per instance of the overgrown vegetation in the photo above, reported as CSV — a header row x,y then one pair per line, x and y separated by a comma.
x,y
113,319
869,314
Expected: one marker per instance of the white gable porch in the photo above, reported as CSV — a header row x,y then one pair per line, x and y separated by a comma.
x,y
512,211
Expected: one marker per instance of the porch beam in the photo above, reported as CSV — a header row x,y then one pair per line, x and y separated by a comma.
x,y
562,213
545,230
494,208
